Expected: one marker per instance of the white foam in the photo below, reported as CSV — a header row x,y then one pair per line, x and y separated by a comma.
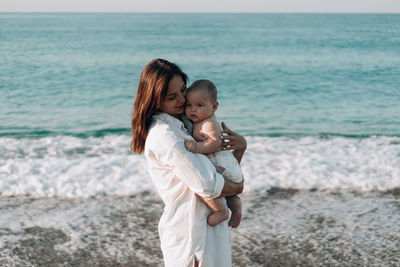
x,y
325,164
70,167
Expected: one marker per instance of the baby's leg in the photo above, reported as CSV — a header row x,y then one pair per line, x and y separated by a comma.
x,y
218,207
235,205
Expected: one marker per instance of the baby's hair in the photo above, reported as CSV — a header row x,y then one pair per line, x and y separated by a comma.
x,y
205,85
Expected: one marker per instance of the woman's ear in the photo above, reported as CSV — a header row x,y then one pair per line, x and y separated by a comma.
x,y
215,106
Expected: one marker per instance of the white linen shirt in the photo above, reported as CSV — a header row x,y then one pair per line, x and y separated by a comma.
x,y
178,174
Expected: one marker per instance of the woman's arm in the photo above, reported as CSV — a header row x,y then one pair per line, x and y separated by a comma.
x,y
237,143
232,189
233,141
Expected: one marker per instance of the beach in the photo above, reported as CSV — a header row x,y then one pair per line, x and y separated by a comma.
x,y
279,228
315,96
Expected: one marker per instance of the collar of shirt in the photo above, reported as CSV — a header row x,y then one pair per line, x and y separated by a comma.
x,y
165,117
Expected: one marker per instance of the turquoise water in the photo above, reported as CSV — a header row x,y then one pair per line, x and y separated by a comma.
x,y
300,75
297,86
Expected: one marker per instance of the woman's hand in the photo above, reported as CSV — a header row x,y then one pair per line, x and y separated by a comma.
x,y
233,141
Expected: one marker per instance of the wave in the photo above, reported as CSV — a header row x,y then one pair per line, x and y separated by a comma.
x,y
71,166
41,133
323,135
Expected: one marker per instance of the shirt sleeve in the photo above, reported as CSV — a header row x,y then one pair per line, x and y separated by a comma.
x,y
194,170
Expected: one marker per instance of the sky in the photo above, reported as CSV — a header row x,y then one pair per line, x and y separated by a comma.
x,y
200,6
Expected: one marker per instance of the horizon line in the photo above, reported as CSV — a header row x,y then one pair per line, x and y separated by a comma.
x,y
204,12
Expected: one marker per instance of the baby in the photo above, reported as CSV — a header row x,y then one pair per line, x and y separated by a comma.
x,y
201,104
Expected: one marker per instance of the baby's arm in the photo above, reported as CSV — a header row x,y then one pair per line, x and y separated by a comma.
x,y
211,144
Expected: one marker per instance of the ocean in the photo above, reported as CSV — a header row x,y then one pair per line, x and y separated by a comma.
x,y
316,95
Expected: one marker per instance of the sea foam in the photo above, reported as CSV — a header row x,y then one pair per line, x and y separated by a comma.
x,y
66,166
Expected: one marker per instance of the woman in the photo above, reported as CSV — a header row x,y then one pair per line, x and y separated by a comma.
x,y
159,131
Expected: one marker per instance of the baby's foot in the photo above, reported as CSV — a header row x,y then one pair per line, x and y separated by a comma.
x,y
217,218
235,218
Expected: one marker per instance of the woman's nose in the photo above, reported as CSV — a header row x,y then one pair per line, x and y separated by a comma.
x,y
181,98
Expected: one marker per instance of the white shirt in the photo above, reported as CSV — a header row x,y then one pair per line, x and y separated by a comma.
x,y
178,174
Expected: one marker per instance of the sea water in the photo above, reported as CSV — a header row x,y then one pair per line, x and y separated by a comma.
x,y
316,95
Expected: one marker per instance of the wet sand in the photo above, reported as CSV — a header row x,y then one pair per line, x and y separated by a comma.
x,y
279,228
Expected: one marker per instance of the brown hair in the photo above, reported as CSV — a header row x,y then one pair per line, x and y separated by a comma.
x,y
205,85
152,89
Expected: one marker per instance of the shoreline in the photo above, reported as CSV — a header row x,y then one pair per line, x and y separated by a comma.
x,y
279,228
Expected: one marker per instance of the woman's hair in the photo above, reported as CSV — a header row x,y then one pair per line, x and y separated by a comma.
x,y
152,89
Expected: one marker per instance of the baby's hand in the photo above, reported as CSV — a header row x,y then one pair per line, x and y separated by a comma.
x,y
191,145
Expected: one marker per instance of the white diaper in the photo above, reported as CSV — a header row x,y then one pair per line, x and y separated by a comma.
x,y
227,160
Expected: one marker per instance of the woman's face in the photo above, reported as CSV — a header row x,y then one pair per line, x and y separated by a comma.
x,y
174,103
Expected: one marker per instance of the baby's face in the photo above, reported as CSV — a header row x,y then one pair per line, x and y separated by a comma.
x,y
199,105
